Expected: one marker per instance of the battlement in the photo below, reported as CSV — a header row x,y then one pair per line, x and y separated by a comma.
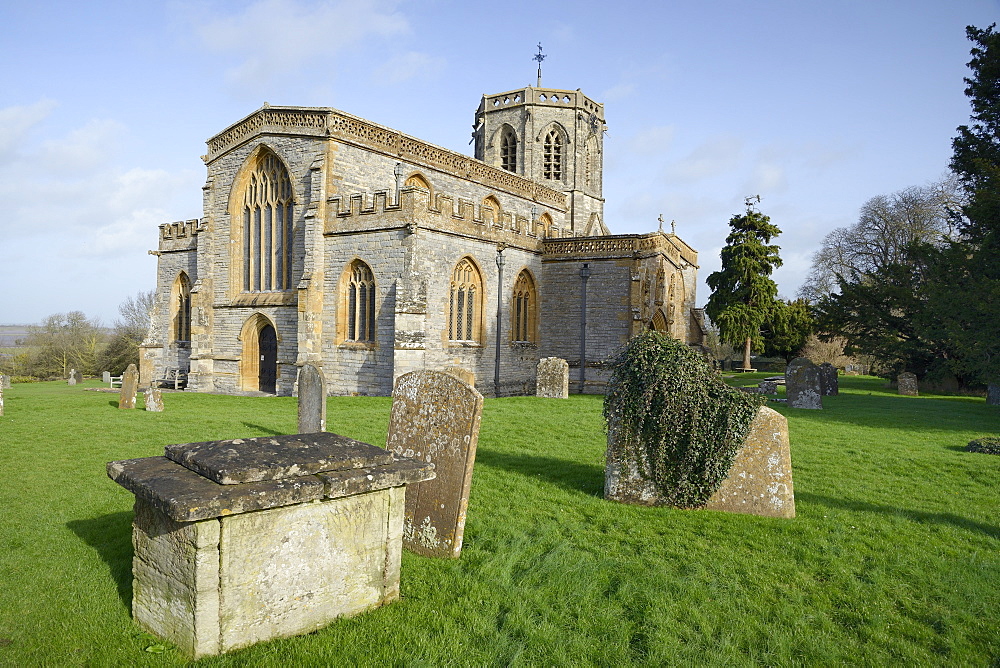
x,y
443,211
180,235
551,97
621,246
323,122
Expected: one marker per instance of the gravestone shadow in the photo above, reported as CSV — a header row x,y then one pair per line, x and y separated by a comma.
x,y
266,430
572,476
111,536
920,516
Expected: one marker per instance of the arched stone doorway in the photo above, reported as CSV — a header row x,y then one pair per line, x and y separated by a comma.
x,y
259,361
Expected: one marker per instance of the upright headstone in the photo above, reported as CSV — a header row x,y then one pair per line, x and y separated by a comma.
x,y
552,380
802,384
106,377
153,399
72,377
1,399
78,375
828,384
992,394
312,400
130,385
4,382
907,384
768,387
435,419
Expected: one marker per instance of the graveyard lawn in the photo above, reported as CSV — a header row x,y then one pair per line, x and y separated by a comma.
x,y
893,558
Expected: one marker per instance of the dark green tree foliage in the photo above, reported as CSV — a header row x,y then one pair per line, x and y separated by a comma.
x,y
669,410
743,294
786,331
964,295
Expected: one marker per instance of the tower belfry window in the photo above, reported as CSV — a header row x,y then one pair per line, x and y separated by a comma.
x,y
552,156
508,150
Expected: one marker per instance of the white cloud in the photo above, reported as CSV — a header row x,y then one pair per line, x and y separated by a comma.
x,y
85,148
653,140
710,160
767,177
15,122
410,65
618,92
273,38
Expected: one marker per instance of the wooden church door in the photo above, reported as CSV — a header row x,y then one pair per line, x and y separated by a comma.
x,y
268,346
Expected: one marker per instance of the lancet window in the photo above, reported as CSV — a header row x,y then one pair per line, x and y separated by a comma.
x,y
525,309
552,156
359,303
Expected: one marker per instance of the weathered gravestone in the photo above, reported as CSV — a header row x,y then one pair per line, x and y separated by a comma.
x,y
759,481
1,399
768,387
992,394
246,540
907,384
153,399
552,380
72,377
829,386
130,385
4,382
435,419
802,384
106,377
312,400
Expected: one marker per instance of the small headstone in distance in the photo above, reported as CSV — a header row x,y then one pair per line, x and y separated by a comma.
x,y
992,394
312,400
1,399
4,382
552,378
106,376
72,377
907,384
153,399
435,419
802,384
78,375
768,387
828,383
130,385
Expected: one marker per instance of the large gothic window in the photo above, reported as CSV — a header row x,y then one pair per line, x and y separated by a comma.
x,y
359,303
508,150
525,309
552,156
267,227
465,304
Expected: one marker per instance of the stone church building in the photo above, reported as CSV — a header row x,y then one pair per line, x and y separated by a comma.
x,y
331,240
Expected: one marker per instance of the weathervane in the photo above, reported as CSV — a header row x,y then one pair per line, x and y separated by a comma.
x,y
539,57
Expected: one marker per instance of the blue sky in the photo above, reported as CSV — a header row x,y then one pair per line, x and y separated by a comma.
x,y
816,106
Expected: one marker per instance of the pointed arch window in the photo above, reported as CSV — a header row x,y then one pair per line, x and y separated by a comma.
x,y
524,320
508,150
552,156
180,304
267,227
465,303
359,303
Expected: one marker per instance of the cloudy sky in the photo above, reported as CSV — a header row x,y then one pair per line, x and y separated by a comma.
x,y
814,105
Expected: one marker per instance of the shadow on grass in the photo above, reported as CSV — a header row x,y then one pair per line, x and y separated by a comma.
x,y
913,515
573,476
263,429
111,536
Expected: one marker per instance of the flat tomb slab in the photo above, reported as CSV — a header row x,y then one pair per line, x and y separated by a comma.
x,y
244,460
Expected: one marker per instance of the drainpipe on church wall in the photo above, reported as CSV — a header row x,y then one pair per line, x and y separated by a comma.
x,y
584,275
496,367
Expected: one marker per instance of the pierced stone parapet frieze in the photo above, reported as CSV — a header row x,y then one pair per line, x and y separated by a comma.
x,y
277,120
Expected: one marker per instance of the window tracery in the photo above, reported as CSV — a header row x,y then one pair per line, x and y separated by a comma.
x,y
465,305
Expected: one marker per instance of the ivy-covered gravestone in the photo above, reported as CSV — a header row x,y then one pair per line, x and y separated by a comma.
x,y
675,430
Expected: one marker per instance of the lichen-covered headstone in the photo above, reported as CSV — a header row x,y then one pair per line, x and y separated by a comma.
x,y
312,400
130,385
768,387
829,386
435,419
72,377
760,479
552,380
802,385
907,384
153,399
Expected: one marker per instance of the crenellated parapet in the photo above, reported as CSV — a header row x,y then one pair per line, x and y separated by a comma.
x,y
622,246
180,236
443,212
326,122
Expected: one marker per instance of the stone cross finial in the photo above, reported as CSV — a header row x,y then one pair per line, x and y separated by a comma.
x,y
539,57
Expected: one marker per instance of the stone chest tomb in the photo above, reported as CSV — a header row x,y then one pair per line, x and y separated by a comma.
x,y
246,540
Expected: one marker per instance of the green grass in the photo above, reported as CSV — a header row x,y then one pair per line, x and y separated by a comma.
x,y
892,559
